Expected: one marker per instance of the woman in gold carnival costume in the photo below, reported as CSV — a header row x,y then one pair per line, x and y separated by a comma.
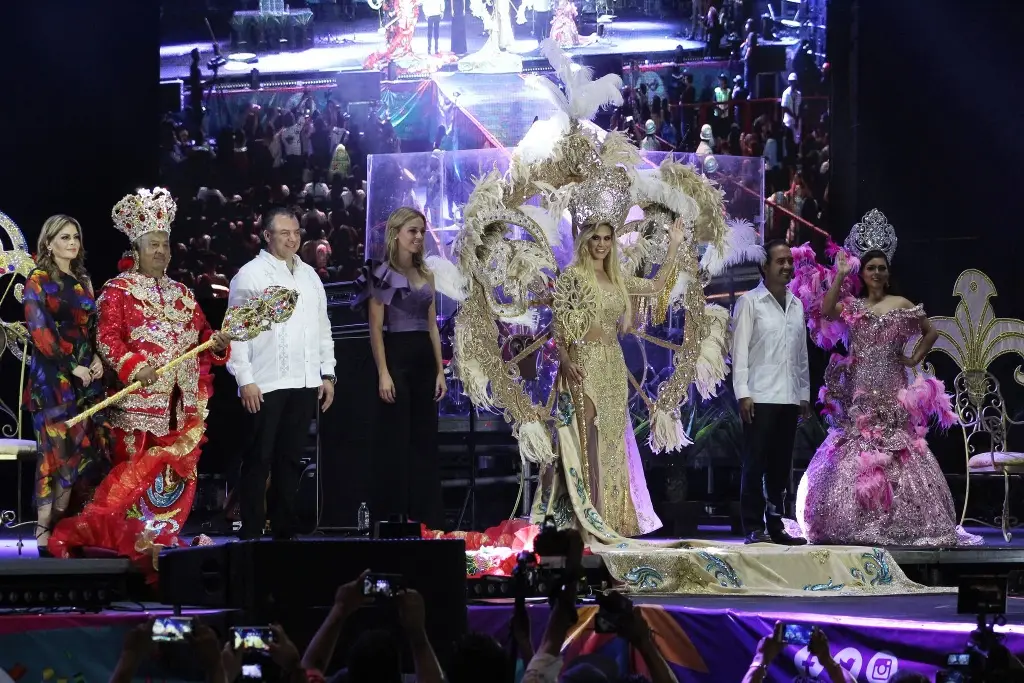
x,y
508,265
593,477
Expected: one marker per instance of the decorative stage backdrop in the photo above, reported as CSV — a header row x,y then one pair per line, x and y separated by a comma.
x,y
701,645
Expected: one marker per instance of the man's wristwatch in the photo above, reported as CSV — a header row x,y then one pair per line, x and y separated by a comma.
x,y
334,380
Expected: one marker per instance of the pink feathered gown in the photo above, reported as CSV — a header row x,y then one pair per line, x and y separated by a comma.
x,y
874,481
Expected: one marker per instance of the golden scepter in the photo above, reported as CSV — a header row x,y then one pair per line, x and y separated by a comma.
x,y
242,323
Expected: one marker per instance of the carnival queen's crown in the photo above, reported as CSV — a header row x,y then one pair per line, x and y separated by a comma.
x,y
604,197
872,233
145,211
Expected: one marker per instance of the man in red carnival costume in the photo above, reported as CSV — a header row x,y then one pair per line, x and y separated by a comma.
x,y
145,321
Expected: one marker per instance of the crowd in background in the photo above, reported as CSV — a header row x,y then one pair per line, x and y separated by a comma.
x,y
314,162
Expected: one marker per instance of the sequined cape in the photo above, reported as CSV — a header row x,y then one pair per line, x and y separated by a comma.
x,y
152,321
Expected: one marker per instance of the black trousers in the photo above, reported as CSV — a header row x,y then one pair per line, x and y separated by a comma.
x,y
767,464
406,478
434,32
278,432
541,24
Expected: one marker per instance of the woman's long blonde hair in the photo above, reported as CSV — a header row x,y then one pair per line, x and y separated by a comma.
x,y
398,219
44,257
612,265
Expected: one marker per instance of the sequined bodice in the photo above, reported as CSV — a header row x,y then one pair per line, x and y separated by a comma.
x,y
867,383
612,305
877,343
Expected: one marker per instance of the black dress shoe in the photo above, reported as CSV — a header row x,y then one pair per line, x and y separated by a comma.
x,y
782,538
757,537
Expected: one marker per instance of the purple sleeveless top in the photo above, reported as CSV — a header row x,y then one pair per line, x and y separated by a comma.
x,y
406,309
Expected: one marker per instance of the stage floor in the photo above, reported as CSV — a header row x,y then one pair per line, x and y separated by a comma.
x,y
342,46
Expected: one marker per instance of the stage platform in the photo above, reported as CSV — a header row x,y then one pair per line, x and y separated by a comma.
x,y
705,637
937,567
342,46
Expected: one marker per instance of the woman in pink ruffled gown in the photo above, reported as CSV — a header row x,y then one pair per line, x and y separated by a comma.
x,y
874,481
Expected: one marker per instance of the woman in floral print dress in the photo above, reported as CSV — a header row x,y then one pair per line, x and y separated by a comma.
x,y
65,373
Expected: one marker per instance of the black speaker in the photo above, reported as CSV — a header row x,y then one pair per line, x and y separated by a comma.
x,y
282,581
359,86
346,435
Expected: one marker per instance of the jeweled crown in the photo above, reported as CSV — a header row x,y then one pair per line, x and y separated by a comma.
x,y
144,211
604,197
872,233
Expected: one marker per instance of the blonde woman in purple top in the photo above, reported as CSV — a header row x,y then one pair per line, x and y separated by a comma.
x,y
407,350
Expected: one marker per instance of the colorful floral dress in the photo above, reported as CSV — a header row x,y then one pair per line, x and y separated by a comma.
x,y
61,319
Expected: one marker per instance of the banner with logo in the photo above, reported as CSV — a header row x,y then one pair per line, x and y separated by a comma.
x,y
80,648
714,645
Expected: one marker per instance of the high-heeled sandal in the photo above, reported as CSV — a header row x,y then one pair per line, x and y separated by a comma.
x,y
44,550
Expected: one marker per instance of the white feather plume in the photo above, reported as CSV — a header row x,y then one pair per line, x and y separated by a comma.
x,y
529,319
547,219
537,145
635,254
583,95
740,246
448,279
649,185
679,289
714,349
535,443
666,433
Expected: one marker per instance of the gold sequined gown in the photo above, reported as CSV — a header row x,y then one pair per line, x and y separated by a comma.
x,y
598,484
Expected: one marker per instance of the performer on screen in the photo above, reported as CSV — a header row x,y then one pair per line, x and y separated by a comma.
x,y
874,480
772,383
407,350
281,375
145,321
65,373
433,10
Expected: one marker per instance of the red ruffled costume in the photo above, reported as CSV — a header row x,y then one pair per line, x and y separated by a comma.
x,y
158,431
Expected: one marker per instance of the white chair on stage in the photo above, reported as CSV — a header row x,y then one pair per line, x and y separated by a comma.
x,y
974,338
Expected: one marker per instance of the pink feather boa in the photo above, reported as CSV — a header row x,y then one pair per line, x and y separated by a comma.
x,y
925,398
872,488
811,281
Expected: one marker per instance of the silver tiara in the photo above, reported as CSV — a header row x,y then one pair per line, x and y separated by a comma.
x,y
872,233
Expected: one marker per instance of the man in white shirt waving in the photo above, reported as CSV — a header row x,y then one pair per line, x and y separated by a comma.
x,y
772,383
281,375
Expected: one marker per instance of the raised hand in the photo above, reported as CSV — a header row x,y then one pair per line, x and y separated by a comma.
x,y
676,232
843,265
